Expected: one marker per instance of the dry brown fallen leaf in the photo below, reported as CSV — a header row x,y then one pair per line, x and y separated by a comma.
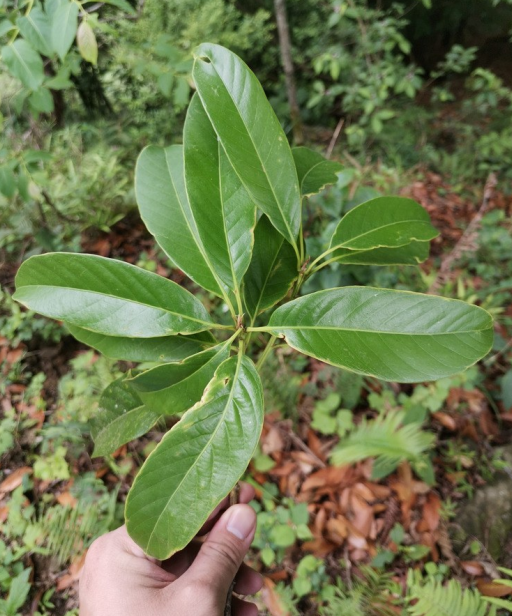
x,y
13,481
272,600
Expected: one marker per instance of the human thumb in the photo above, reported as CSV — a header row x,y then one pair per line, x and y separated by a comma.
x,y
224,550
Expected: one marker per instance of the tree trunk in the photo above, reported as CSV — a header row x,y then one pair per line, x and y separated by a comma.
x,y
286,59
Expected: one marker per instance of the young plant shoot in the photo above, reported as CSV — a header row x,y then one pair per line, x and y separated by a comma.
x,y
226,208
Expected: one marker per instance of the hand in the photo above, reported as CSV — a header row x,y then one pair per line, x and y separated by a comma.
x,y
118,579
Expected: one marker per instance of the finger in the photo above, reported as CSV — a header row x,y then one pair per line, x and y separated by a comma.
x,y
243,608
247,581
222,553
246,495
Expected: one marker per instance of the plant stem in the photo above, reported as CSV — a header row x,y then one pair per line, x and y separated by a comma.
x,y
262,358
319,258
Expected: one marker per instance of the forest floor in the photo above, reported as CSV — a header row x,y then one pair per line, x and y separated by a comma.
x,y
320,526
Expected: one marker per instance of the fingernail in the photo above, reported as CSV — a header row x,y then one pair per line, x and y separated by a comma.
x,y
241,521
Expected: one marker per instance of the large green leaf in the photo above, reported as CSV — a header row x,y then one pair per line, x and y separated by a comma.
x,y
223,211
272,270
36,29
121,418
251,135
24,63
314,171
392,335
164,208
198,461
173,388
410,254
383,222
64,26
108,297
163,349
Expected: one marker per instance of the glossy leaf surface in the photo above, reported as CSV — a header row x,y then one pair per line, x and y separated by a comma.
x,y
36,30
173,388
272,270
121,418
163,349
251,135
108,297
314,171
392,335
224,213
197,462
24,63
410,254
165,210
383,222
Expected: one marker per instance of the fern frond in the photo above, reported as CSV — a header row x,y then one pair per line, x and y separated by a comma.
x,y
434,599
384,438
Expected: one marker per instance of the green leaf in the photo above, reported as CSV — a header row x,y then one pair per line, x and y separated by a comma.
x,y
272,270
41,100
121,418
64,26
173,388
24,63
86,42
18,592
124,5
7,182
251,135
314,171
226,223
198,461
384,438
383,222
108,297
506,390
165,210
163,349
6,26
392,335
36,30
282,536
51,6
410,254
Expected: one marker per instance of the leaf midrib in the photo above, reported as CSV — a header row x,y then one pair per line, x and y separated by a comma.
x,y
369,331
228,402
132,301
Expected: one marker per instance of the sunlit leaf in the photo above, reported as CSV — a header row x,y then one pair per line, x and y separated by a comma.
x,y
392,335
108,297
251,135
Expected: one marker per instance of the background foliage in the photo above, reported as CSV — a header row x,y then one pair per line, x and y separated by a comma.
x,y
423,95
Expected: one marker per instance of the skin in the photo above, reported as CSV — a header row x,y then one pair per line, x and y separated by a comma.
x,y
118,579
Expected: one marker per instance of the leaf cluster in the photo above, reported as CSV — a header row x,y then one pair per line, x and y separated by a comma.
x,y
226,207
